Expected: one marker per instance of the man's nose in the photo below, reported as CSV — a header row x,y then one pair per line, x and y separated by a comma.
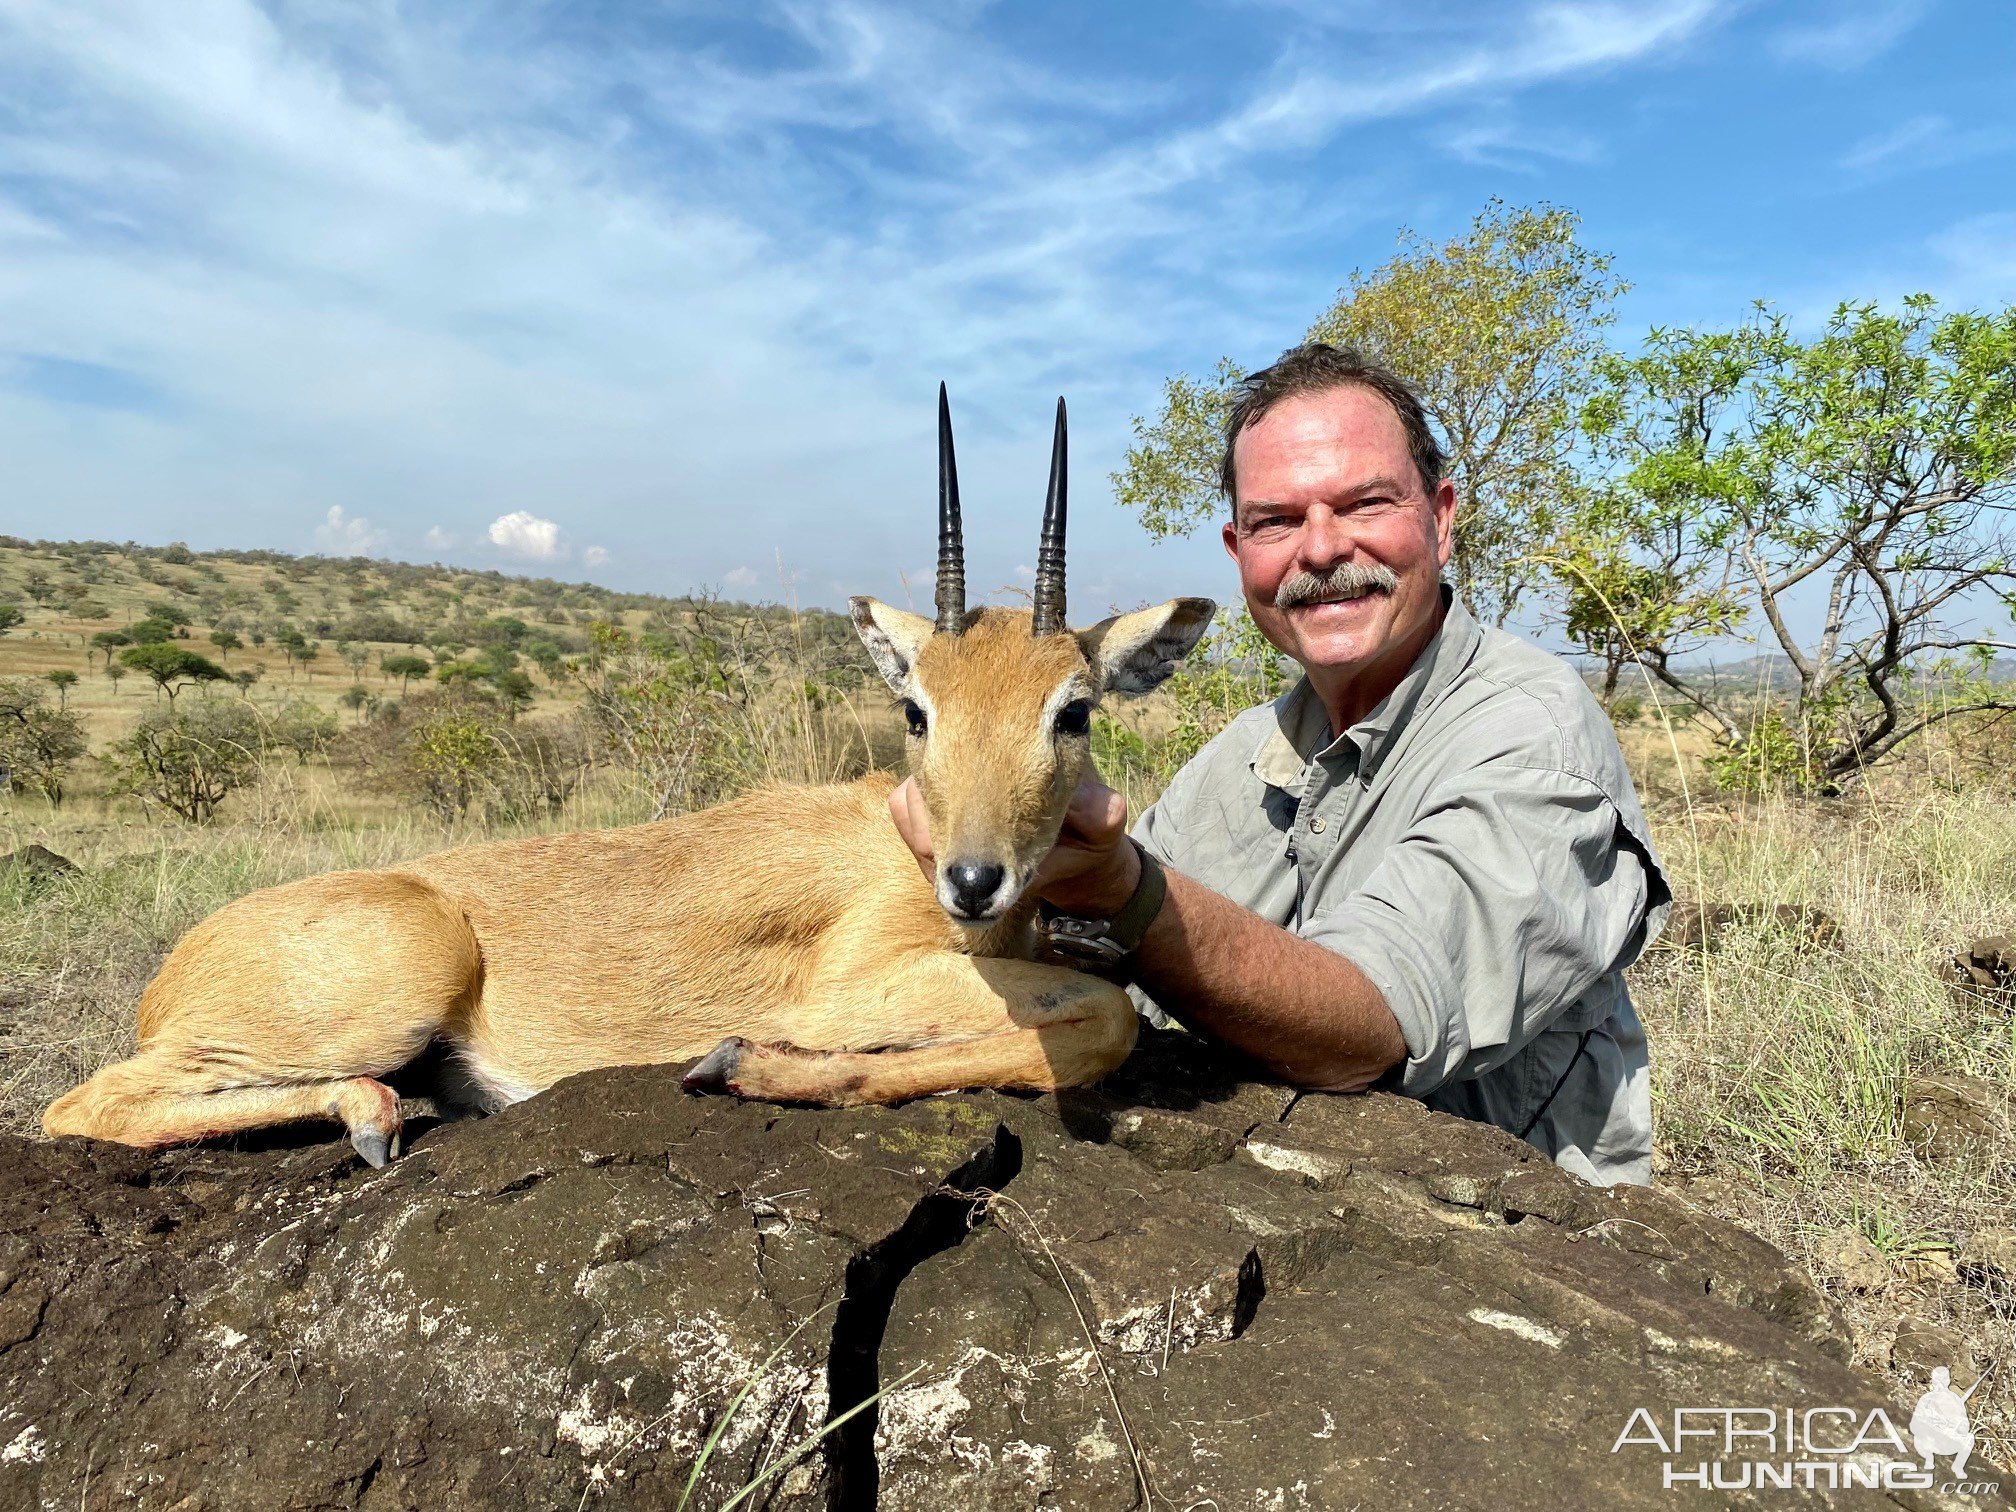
x,y
1326,539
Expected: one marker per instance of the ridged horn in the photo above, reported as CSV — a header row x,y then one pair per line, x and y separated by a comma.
x,y
951,597
1049,597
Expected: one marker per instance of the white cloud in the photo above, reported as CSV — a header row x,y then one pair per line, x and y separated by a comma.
x,y
523,534
596,556
1852,34
741,577
439,539
347,534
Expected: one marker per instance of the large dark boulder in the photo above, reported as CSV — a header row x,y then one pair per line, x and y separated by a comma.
x,y
1251,1299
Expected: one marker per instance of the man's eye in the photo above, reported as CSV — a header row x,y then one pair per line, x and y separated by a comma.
x,y
914,717
1075,718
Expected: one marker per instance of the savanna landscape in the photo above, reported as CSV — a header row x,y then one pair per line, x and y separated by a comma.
x,y
1824,1071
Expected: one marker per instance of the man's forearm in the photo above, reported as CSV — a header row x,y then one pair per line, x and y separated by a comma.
x,y
1303,1011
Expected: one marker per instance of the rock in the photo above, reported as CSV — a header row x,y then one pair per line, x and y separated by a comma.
x,y
1858,1264
1983,976
1920,1347
1950,1118
1988,1264
37,863
1248,1298
1706,926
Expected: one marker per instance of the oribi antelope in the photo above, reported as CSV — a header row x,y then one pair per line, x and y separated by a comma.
x,y
791,930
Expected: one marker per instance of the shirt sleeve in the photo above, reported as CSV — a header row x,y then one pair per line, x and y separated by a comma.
x,y
1512,894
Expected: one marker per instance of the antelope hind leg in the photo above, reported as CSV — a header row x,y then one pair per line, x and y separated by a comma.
x,y
1005,1024
152,1101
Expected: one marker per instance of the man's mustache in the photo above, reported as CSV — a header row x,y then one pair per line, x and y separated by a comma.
x,y
1345,580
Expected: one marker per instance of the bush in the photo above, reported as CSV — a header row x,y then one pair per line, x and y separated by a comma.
x,y
301,727
189,760
38,744
457,753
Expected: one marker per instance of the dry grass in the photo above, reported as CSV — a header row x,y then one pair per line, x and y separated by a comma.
x,y
1781,1066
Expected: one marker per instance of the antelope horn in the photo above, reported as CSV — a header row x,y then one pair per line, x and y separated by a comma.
x,y
951,534
1049,597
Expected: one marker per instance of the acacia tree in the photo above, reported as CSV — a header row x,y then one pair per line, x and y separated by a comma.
x,y
1499,330
1857,484
171,667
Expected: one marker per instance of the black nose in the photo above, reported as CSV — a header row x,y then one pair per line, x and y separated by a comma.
x,y
973,887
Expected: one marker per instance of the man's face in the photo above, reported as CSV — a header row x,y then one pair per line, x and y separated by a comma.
x,y
1329,501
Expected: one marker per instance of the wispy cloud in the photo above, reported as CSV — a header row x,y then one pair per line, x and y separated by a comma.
x,y
1849,33
1923,141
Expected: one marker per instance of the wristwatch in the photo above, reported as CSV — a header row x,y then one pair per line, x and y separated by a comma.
x,y
1105,947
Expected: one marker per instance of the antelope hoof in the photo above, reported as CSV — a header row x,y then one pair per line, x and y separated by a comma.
x,y
715,1072
376,1146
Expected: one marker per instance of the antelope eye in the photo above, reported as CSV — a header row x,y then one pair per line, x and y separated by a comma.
x,y
1075,718
914,717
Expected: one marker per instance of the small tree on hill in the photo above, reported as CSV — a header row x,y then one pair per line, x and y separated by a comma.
x,y
62,680
171,668
10,616
115,673
226,641
405,667
152,631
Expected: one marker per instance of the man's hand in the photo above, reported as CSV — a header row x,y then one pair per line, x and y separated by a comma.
x,y
1092,869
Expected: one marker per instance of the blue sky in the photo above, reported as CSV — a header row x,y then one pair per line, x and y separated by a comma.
x,y
659,294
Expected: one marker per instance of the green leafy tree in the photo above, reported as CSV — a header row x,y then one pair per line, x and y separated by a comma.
x,y
62,680
226,641
245,677
38,744
10,616
1868,471
1499,330
152,631
115,674
405,668
188,761
39,587
171,668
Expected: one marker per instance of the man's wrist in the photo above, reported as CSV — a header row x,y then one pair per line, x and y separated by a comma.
x,y
1103,893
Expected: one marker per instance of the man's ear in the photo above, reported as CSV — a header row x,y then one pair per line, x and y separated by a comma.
x,y
1135,652
892,637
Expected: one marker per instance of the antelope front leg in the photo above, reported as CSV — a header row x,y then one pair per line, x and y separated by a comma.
x,y
1006,1024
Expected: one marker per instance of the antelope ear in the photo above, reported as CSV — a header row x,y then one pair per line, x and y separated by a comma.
x,y
892,637
1135,652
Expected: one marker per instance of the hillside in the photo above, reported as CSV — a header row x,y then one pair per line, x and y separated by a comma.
x,y
308,626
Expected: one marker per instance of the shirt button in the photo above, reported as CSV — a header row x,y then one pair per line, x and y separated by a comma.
x,y
1316,826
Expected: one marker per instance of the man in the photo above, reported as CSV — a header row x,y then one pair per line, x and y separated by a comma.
x,y
1424,867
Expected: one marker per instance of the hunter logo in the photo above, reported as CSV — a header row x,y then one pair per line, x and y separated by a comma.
x,y
1814,1448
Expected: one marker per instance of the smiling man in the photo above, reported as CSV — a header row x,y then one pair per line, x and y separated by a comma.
x,y
1424,867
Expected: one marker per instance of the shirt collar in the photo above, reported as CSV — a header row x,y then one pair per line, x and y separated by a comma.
x,y
1300,731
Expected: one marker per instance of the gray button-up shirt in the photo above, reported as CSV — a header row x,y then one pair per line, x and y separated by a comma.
x,y
1474,846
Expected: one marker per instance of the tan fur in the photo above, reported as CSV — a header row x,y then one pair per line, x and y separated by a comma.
x,y
795,918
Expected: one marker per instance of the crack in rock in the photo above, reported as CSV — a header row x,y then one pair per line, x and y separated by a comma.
x,y
938,1222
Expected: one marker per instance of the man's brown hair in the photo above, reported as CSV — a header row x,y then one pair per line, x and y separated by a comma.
x,y
1313,367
